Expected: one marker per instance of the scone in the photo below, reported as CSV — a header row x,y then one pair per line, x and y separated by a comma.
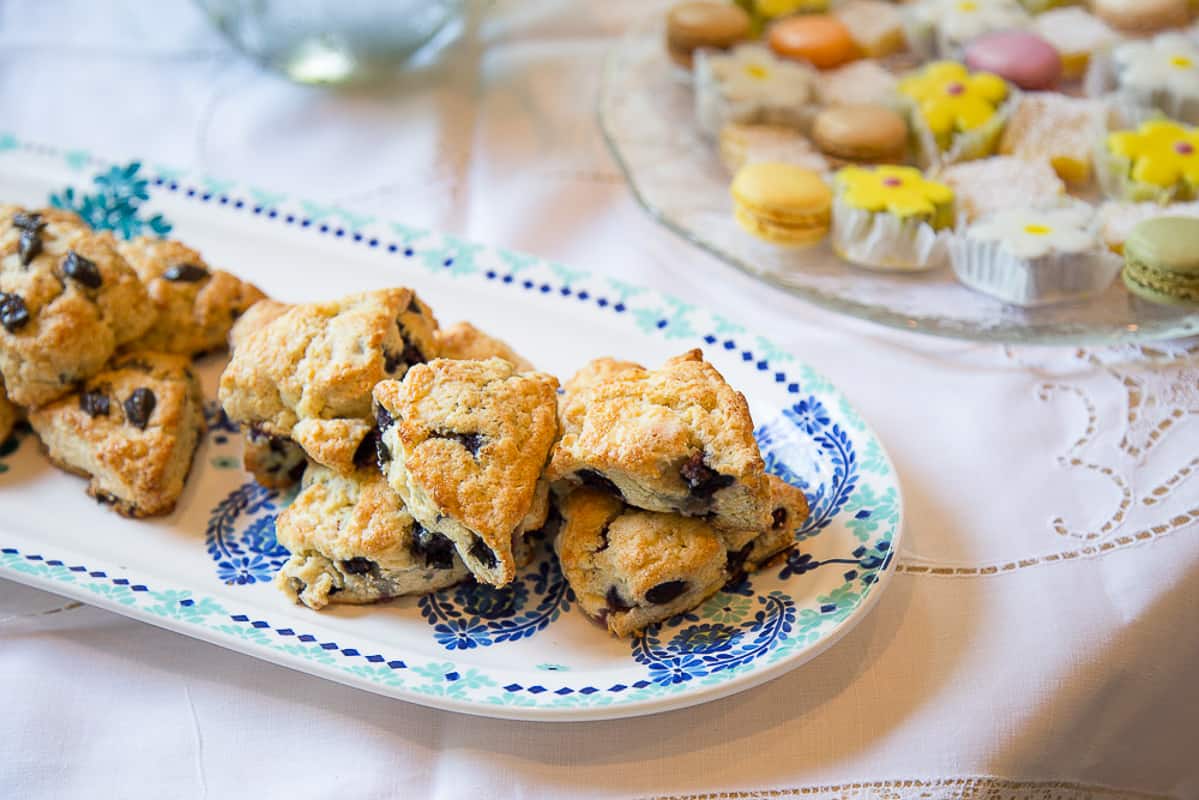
x,y
68,300
307,375
464,444
257,316
133,429
9,414
195,305
749,550
465,342
631,568
274,461
352,541
676,439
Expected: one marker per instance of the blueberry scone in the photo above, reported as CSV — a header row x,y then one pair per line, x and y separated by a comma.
x,y
750,550
465,342
464,444
68,300
9,414
352,541
195,305
676,439
133,429
631,568
276,462
307,375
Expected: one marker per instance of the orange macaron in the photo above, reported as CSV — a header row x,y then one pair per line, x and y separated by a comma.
x,y
820,39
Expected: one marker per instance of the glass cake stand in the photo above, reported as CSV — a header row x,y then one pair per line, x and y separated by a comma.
x,y
647,119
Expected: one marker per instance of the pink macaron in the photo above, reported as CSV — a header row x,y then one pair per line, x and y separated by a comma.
x,y
1020,57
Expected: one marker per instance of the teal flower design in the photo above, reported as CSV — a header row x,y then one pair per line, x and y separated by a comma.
x,y
725,608
116,204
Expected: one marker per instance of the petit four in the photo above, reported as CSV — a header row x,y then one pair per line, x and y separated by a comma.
x,y
750,84
1077,35
992,184
1034,255
1159,161
958,115
1161,73
891,218
1019,57
1142,16
1061,130
750,143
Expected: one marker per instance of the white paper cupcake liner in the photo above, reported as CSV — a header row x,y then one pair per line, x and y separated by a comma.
x,y
886,242
987,267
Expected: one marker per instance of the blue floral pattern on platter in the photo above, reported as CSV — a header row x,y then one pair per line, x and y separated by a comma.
x,y
816,441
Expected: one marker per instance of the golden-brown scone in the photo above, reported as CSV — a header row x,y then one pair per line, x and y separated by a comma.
x,y
68,300
352,541
675,439
195,305
307,375
133,429
464,444
631,568
465,342
256,316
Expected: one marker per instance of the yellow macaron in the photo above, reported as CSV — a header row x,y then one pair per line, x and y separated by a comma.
x,y
782,203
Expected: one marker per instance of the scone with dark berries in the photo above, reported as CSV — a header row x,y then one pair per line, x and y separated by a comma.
x,y
195,305
464,444
465,342
676,439
276,462
68,300
352,541
132,429
749,550
631,568
307,375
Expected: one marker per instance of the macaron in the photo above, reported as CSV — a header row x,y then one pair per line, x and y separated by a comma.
x,y
703,23
822,40
1142,16
1019,57
867,133
782,203
1161,260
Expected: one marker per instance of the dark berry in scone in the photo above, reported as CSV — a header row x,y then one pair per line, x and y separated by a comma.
x,y
132,429
464,444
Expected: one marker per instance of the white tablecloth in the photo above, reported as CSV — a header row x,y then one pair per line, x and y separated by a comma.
x,y
1041,639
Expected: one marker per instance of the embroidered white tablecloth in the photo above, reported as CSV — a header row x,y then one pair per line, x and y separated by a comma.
x,y
1041,639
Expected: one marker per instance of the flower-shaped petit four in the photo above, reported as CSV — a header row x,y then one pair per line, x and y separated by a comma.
x,y
1162,72
1034,256
962,112
750,84
942,27
891,218
1158,161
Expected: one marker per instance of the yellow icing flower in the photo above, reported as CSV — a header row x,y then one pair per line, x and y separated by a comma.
x,y
1162,152
902,191
952,100
772,9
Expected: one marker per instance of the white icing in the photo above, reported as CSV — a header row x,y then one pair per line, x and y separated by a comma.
x,y
959,21
1168,62
1037,232
1073,30
752,74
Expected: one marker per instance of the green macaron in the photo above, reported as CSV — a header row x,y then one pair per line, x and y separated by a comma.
x,y
1161,260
